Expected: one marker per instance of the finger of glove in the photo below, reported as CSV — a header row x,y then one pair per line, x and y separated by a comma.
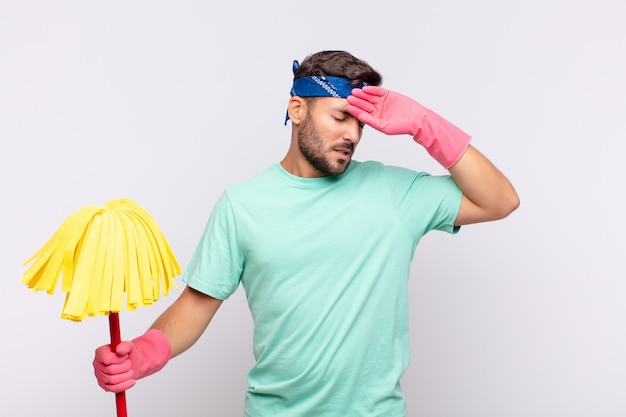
x,y
362,104
117,387
113,376
370,98
355,111
382,125
105,356
114,369
375,90
124,348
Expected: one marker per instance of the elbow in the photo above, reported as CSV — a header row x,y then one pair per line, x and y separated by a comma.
x,y
508,205
515,203
502,207
498,208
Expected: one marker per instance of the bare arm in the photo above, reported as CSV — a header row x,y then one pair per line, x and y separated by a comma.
x,y
487,194
186,319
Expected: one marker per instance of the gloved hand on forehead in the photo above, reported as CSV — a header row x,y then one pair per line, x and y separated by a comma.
x,y
394,114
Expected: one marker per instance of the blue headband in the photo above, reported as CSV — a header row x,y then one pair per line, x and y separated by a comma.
x,y
321,86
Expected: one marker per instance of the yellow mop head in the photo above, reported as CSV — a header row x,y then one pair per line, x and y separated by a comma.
x,y
102,253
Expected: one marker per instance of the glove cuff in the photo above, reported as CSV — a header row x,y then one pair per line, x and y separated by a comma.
x,y
155,350
445,142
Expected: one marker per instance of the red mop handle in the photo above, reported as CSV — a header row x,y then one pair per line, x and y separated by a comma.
x,y
116,338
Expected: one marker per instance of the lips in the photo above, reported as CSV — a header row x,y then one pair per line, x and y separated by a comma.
x,y
344,150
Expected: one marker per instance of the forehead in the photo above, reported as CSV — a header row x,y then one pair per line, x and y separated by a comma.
x,y
330,104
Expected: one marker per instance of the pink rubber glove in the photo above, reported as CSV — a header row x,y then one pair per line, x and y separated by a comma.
x,y
118,371
395,114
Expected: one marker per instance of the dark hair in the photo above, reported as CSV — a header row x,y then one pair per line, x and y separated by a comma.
x,y
338,64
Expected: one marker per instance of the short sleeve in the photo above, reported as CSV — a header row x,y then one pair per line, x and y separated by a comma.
x,y
445,197
217,263
426,202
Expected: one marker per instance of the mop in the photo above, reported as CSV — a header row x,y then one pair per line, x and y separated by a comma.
x,y
106,257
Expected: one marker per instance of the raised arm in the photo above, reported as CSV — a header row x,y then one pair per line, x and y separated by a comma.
x,y
487,194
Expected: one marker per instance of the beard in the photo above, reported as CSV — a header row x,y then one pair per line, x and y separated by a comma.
x,y
311,147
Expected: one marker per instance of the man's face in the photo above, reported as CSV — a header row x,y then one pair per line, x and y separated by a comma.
x,y
328,135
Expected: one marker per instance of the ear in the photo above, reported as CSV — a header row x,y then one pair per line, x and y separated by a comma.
x,y
297,109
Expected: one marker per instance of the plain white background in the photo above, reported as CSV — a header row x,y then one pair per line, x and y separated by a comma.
x,y
167,103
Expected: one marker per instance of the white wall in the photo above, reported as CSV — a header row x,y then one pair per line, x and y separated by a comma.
x,y
167,103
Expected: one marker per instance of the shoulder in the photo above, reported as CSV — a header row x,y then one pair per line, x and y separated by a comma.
x,y
258,180
401,180
389,172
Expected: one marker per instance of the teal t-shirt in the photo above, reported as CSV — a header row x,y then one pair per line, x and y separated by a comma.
x,y
325,265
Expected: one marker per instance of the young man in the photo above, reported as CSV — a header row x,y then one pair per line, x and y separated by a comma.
x,y
322,246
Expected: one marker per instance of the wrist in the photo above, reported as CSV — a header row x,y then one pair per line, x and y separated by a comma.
x,y
445,142
153,351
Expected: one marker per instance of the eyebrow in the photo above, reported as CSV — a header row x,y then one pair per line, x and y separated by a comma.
x,y
340,110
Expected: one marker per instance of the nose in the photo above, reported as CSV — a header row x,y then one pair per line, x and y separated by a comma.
x,y
353,130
